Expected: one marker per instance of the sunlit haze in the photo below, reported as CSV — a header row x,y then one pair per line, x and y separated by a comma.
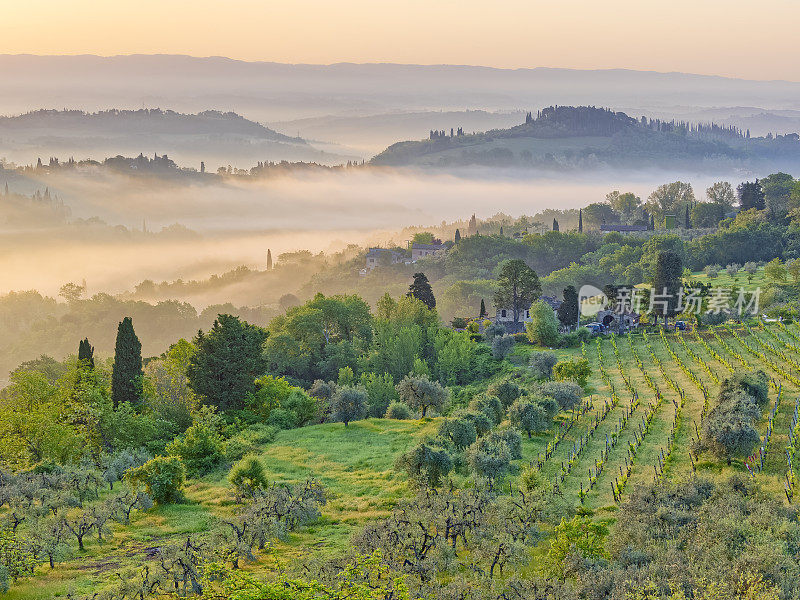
x,y
715,37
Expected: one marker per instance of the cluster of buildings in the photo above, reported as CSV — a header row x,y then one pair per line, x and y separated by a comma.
x,y
387,256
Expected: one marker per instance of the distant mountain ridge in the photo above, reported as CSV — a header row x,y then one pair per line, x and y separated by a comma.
x,y
141,121
567,137
268,91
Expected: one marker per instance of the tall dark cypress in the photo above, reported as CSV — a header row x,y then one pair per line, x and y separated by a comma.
x,y
86,353
688,220
483,309
457,236
269,259
127,374
555,225
421,290
580,220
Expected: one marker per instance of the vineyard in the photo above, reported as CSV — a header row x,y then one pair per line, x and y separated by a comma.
x,y
650,394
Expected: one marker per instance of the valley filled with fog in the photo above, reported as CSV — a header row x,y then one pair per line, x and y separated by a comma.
x,y
228,223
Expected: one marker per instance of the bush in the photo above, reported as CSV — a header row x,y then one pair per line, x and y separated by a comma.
x,y
542,363
459,431
247,476
506,392
567,394
249,440
163,478
529,417
349,404
426,463
548,404
512,440
573,370
542,329
490,406
493,330
502,346
398,410
200,448
280,418
489,457
380,392
483,424
304,407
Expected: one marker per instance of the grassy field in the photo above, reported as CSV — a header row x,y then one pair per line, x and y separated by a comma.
x,y
647,400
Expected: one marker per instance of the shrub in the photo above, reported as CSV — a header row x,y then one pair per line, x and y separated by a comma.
x,y
302,405
573,370
506,392
163,478
502,346
567,394
542,329
280,418
512,440
489,457
247,476
529,417
488,405
398,410
493,330
248,440
483,424
322,390
349,404
542,363
460,432
548,404
426,463
200,448
380,392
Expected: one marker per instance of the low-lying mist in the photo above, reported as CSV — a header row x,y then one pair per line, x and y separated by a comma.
x,y
237,220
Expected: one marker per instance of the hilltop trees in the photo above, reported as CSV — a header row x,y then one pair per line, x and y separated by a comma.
x,y
126,378
670,197
228,359
518,287
421,290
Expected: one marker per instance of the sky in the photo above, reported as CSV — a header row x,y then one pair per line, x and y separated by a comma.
x,y
736,38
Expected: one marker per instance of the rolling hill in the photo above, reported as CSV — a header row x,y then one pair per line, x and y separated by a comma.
x,y
566,138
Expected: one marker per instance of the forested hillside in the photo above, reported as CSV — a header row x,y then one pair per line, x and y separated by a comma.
x,y
565,137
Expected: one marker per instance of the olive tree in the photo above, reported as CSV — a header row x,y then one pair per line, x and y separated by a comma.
x,y
420,393
528,417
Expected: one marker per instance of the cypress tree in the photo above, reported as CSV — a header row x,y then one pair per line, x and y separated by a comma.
x,y
580,220
269,259
127,373
688,220
458,236
652,223
483,309
555,225
421,290
86,353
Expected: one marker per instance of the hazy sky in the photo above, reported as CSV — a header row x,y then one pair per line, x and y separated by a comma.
x,y
737,38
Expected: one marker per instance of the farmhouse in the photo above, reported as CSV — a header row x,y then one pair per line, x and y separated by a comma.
x,y
419,250
382,256
505,316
